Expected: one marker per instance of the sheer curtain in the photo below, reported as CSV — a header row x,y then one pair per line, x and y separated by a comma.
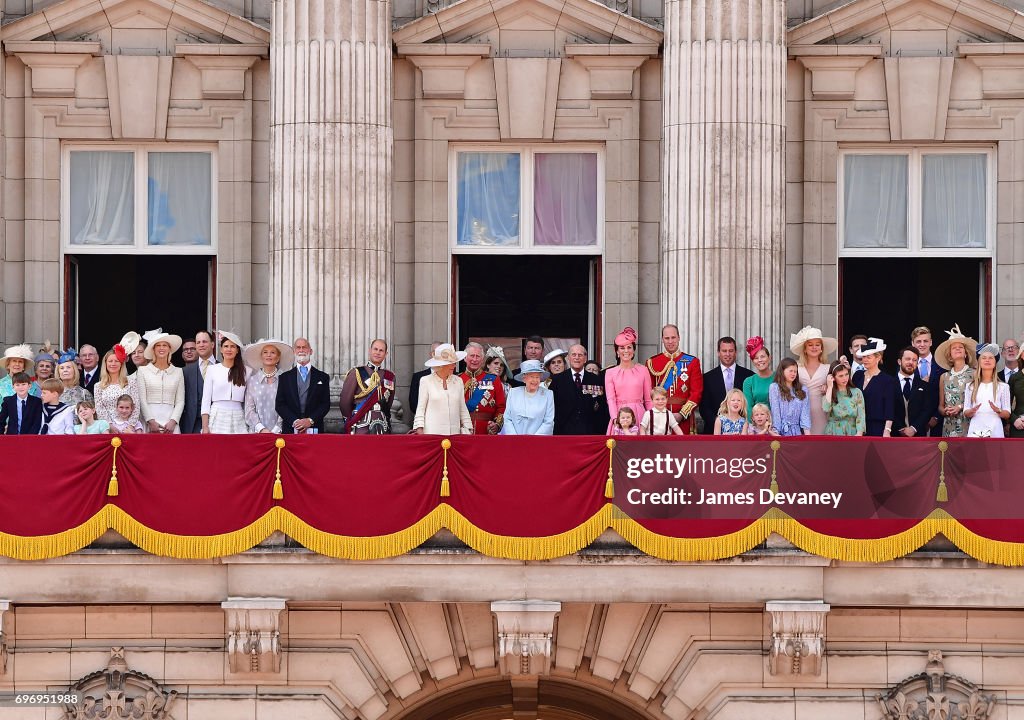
x,y
102,198
565,199
875,201
488,199
953,202
180,198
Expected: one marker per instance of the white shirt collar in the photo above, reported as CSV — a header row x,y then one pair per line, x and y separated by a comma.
x,y
726,367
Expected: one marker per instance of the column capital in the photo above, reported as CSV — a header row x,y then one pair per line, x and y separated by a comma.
x,y
254,633
525,632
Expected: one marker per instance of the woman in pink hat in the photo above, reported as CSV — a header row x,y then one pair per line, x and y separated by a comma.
x,y
627,384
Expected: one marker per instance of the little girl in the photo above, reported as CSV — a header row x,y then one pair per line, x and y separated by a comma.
x,y
659,420
760,421
123,422
791,408
86,411
732,414
625,423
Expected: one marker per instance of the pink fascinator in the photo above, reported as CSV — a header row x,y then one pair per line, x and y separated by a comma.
x,y
626,337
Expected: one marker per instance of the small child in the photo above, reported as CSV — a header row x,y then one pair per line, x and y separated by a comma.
x,y
21,413
732,414
58,418
86,411
760,421
122,424
659,420
625,423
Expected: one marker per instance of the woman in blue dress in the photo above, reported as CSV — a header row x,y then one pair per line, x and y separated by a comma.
x,y
530,409
791,408
879,390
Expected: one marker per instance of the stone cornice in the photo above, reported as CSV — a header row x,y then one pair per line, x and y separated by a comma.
x,y
834,68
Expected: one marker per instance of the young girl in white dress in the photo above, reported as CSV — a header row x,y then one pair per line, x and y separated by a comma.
x,y
987,398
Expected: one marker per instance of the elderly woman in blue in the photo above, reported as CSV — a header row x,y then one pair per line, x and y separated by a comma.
x,y
17,359
530,410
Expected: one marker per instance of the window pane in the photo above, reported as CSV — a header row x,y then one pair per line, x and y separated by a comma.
x,y
488,199
953,205
180,198
565,199
102,198
875,201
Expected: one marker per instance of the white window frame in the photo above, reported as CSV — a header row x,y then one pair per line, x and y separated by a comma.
x,y
526,187
915,169
141,167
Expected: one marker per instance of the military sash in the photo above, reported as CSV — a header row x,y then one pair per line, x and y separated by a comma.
x,y
367,394
676,370
478,393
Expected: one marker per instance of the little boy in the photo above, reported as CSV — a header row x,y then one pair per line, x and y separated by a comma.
x,y
58,418
21,413
122,423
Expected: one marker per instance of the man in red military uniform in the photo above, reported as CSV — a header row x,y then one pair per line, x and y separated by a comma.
x,y
681,377
485,394
367,394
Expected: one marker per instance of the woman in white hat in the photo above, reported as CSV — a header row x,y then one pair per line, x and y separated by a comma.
x,y
494,362
554,363
957,353
17,359
223,403
530,408
812,351
441,409
987,402
265,358
879,390
161,385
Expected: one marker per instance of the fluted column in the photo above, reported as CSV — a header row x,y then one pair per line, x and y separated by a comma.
x,y
723,214
331,253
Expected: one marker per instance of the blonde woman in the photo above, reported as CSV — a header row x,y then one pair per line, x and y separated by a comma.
x,y
812,350
987,401
114,382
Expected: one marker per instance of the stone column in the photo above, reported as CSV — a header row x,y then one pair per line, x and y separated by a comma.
x,y
724,135
331,247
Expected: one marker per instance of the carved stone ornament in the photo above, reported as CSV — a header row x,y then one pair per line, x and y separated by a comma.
x,y
254,634
525,631
5,605
798,636
935,695
117,692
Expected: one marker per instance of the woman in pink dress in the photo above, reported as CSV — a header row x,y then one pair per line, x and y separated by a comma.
x,y
812,351
628,384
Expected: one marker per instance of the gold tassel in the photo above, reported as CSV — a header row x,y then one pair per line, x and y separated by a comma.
x,y
609,486
446,489
278,492
943,494
775,451
112,485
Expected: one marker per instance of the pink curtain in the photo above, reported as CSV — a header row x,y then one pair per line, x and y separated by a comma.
x,y
565,200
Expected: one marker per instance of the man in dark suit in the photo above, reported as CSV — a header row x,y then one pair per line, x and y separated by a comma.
x,y
915,402
304,393
580,405
90,374
533,349
195,374
414,384
719,380
21,413
930,372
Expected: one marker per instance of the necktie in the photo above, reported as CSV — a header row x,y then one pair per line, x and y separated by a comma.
x,y
579,382
924,369
906,389
728,378
304,371
203,366
21,416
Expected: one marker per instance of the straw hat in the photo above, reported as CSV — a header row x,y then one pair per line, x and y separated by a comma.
x,y
445,354
532,366
253,353
955,336
19,352
173,340
798,340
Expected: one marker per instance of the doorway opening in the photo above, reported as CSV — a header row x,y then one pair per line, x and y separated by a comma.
x,y
502,299
108,295
889,297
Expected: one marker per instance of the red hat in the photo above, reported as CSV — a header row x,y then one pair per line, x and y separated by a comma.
x,y
755,345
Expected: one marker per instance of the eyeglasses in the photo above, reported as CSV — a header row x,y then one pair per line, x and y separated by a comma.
x,y
1011,347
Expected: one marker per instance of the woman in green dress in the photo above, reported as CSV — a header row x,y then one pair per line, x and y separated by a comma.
x,y
958,354
843,403
755,387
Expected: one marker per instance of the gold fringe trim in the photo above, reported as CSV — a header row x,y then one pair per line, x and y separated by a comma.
x,y
346,547
193,547
43,547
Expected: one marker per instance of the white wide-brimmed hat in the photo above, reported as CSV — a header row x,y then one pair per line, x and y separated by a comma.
x,y
798,340
556,353
20,352
228,335
173,340
532,366
445,354
955,336
873,345
252,355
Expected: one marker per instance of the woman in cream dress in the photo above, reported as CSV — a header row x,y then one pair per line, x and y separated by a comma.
x,y
161,385
441,409
812,351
